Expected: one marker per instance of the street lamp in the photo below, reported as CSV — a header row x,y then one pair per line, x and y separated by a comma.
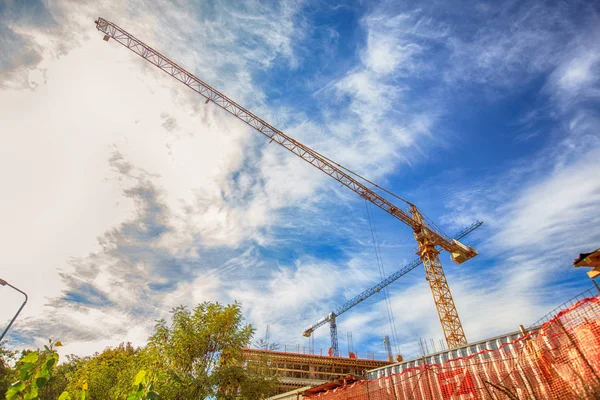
x,y
4,283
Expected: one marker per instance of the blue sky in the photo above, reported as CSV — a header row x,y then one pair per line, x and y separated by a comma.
x,y
126,195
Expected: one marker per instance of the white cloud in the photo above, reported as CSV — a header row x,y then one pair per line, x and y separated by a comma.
x,y
539,212
547,211
578,72
382,121
575,80
91,132
186,195
388,49
114,146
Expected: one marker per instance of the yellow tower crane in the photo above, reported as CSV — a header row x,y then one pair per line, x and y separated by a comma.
x,y
426,235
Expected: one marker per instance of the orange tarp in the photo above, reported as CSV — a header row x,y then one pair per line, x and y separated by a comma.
x,y
560,361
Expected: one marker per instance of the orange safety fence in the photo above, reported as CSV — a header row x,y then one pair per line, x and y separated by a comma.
x,y
559,361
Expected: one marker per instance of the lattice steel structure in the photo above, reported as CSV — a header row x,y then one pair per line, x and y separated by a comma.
x,y
427,235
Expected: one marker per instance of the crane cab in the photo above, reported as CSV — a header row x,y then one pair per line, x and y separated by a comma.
x,y
463,253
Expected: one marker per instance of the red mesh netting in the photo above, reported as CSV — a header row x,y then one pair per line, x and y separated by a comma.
x,y
560,361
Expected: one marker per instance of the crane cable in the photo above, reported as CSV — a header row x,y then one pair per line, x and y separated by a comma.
x,y
359,176
381,268
382,273
431,223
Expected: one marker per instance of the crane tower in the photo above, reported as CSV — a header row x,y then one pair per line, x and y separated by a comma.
x,y
425,233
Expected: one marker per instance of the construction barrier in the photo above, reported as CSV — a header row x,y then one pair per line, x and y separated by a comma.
x,y
559,361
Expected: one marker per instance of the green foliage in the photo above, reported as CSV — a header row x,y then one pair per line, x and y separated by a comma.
x,y
34,371
200,352
198,355
7,374
144,387
60,378
64,396
106,375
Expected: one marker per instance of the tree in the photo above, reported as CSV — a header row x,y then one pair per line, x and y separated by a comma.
x,y
200,355
197,356
61,376
34,371
106,375
7,374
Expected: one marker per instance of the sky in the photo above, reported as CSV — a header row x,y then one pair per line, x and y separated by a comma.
x,y
125,195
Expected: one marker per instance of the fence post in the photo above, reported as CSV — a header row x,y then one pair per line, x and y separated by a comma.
x,y
596,284
537,366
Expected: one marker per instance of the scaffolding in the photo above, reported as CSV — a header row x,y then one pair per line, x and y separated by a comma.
x,y
296,370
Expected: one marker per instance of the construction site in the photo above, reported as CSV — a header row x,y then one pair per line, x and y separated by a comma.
x,y
557,357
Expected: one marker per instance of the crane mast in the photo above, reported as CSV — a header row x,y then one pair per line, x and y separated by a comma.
x,y
427,237
455,336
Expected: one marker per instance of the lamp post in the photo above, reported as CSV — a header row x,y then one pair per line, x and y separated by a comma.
x,y
4,283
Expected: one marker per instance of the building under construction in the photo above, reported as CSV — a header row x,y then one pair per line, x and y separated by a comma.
x,y
297,370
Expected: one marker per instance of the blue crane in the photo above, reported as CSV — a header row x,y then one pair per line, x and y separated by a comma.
x,y
331,317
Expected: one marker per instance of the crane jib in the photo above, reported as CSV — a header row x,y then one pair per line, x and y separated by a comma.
x,y
312,157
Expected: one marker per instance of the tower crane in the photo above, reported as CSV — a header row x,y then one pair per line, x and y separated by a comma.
x,y
425,233
362,296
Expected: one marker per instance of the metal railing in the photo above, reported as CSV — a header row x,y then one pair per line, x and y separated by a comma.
x,y
300,349
594,291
